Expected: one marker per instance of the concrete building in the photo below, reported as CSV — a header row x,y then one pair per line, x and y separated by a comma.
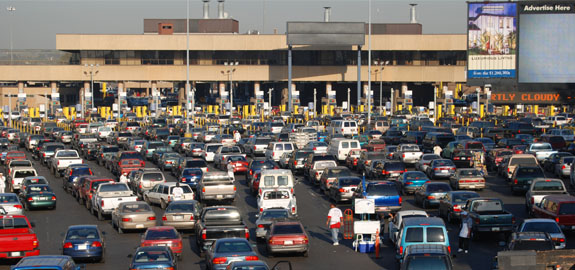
x,y
138,63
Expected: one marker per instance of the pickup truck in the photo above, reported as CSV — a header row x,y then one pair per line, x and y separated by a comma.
x,y
64,158
218,222
384,193
216,186
488,215
408,153
224,151
17,239
108,196
540,150
541,187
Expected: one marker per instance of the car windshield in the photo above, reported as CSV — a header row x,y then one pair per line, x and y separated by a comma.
x,y
463,197
8,198
287,229
548,185
543,146
381,190
427,262
470,173
567,209
82,234
181,207
136,207
152,256
161,234
548,227
274,214
233,247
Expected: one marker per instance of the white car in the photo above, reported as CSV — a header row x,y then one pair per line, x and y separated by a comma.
x,y
163,194
277,198
103,132
424,161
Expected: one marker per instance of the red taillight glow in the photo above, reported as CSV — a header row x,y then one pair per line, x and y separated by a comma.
x,y
68,245
251,258
151,218
96,244
126,219
219,260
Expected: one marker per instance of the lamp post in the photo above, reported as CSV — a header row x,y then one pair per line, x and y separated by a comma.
x,y
314,101
187,87
381,65
348,100
230,72
91,72
11,10
369,67
270,99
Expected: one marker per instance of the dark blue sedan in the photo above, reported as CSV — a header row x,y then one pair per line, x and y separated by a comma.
x,y
411,181
84,242
156,257
191,176
72,173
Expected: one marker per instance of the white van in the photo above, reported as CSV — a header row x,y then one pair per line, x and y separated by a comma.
x,y
567,134
340,147
17,175
210,151
344,127
275,179
276,150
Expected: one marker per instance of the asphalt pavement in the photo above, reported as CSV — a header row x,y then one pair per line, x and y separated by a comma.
x,y
312,209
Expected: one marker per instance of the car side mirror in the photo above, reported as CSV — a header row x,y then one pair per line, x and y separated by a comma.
x,y
257,215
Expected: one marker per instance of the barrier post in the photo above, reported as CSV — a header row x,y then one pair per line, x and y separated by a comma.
x,y
348,224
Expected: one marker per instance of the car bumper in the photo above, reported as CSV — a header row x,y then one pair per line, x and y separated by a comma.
x,y
42,204
345,196
440,174
83,254
410,189
219,197
183,225
387,209
472,186
261,232
137,225
240,170
288,248
505,228
19,254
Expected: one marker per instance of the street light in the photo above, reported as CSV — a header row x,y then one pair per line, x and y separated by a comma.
x,y
381,65
91,73
187,87
11,10
230,72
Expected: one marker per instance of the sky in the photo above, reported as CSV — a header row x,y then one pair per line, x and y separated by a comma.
x,y
35,23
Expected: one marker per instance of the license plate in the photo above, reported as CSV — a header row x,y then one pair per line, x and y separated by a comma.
x,y
82,247
42,198
220,196
472,187
572,227
463,158
394,174
288,242
139,226
178,217
495,229
15,254
444,171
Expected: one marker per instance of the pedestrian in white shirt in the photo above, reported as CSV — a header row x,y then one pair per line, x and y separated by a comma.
x,y
178,192
334,220
124,178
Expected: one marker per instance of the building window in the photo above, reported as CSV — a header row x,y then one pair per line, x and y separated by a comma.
x,y
157,57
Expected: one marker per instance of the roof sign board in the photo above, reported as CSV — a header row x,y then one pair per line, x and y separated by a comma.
x,y
326,33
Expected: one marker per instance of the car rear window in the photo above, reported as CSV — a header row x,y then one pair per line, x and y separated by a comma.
x,y
212,148
381,190
435,234
110,149
344,182
523,160
438,187
414,235
233,247
196,164
161,234
154,145
10,223
131,155
530,172
274,195
22,174
181,207
547,186
113,188
288,229
8,198
567,209
394,166
533,245
153,176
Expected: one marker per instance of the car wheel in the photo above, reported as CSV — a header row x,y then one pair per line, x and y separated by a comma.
x,y
147,200
26,207
120,231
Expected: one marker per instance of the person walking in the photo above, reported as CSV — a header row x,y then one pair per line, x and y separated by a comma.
x,y
437,150
237,136
2,183
178,192
334,220
464,232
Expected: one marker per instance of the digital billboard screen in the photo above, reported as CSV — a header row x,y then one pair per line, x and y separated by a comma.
x,y
546,41
492,40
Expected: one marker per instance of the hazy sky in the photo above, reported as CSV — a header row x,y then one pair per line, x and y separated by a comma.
x,y
36,22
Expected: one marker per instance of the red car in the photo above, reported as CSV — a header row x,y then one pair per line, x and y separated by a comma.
x,y
239,163
14,155
17,238
163,236
519,149
287,237
255,183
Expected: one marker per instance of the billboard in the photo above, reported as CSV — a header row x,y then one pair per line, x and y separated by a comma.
x,y
492,40
546,38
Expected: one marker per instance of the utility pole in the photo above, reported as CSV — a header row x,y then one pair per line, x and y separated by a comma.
x,y
11,10
187,87
348,100
270,99
369,68
392,107
9,108
314,102
230,73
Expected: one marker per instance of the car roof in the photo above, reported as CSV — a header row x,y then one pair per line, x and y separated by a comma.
x,y
426,249
423,221
561,198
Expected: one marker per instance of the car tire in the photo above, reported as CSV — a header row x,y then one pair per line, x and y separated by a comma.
x,y
26,207
120,231
147,200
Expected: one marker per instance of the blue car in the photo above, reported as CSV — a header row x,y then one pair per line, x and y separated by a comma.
x,y
53,262
384,193
84,242
191,176
72,173
321,136
431,193
156,257
411,181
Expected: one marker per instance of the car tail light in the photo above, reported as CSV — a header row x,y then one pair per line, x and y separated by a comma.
x,y
53,198
151,218
476,220
164,218
260,225
293,209
456,158
436,169
513,220
219,260
17,206
449,249
204,234
557,220
515,181
102,203
68,245
563,167
247,232
251,258
532,200
431,197
203,189
192,217
183,179
409,183
401,250
96,244
400,200
403,155
383,172
342,190
261,210
126,219
456,208
30,199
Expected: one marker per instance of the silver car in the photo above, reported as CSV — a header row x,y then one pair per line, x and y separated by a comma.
x,y
549,226
563,168
10,203
182,214
267,217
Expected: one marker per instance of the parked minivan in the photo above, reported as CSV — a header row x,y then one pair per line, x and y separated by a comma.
x,y
420,230
276,149
339,148
343,127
